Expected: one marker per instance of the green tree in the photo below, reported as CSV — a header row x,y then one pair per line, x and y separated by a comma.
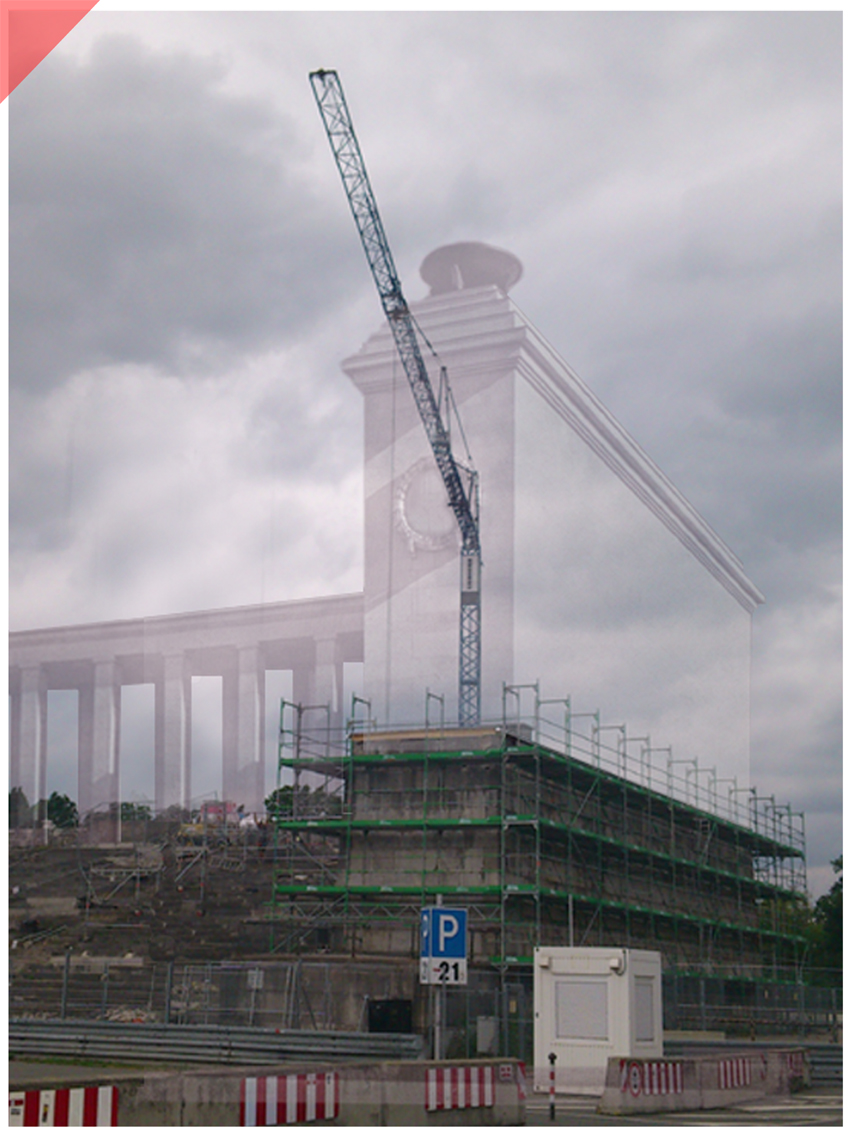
x,y
20,812
133,811
827,930
279,805
283,802
62,811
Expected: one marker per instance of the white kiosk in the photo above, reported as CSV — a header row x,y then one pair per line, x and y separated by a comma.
x,y
591,1004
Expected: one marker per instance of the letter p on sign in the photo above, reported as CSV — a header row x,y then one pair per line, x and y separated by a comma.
x,y
449,927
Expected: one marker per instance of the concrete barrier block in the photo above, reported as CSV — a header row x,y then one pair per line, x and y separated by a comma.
x,y
204,1097
392,1093
463,1093
363,1096
476,1092
703,1082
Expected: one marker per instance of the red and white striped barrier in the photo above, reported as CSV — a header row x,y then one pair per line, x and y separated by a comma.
x,y
277,1100
795,1062
522,1090
456,1088
733,1073
66,1106
651,1077
701,1082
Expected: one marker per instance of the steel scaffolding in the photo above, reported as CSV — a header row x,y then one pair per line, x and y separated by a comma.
x,y
545,832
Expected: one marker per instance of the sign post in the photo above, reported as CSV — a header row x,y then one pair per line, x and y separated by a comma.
x,y
442,958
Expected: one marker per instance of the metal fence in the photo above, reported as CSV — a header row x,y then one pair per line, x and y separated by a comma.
x,y
500,1021
750,1007
288,995
487,1017
101,1039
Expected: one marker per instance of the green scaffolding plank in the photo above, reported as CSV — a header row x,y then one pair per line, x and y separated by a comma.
x,y
380,824
758,842
526,891
513,820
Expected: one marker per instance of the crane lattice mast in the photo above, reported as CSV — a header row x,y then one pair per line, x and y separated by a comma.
x,y
463,499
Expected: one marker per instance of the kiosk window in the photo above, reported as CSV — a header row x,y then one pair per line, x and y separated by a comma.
x,y
581,1009
644,1013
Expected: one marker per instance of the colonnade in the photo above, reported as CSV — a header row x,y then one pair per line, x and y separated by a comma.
x,y
313,638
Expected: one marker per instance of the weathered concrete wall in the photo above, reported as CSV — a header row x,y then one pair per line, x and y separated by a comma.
x,y
169,1098
472,789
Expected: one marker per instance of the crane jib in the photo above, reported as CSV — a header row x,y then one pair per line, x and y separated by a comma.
x,y
339,127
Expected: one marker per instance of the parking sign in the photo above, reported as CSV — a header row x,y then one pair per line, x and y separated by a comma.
x,y
442,952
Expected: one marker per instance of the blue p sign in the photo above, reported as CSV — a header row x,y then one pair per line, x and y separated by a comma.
x,y
443,946
447,932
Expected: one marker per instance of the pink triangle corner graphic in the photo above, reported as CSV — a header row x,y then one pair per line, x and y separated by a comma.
x,y
29,30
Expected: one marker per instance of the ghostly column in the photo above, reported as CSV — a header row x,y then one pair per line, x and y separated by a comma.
x,y
411,569
29,734
99,731
328,679
242,734
317,678
303,660
14,727
172,761
230,731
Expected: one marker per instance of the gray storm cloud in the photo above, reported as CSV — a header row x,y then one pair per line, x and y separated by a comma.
x,y
174,224
184,279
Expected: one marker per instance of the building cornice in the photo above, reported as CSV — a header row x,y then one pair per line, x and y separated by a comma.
x,y
481,330
343,612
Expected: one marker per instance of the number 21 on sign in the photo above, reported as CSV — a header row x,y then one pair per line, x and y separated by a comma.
x,y
435,971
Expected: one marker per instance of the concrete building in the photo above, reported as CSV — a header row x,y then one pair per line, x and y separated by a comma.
x,y
599,578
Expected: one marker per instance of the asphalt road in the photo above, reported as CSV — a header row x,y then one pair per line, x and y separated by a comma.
x,y
819,1106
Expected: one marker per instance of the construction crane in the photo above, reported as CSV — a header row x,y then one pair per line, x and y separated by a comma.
x,y
463,497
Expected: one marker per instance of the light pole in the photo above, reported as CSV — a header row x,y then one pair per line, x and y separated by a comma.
x,y
441,700
565,701
621,739
574,716
642,740
712,781
670,763
768,800
737,790
648,753
733,780
516,691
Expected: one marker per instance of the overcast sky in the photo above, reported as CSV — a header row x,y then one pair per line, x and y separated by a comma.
x,y
186,277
